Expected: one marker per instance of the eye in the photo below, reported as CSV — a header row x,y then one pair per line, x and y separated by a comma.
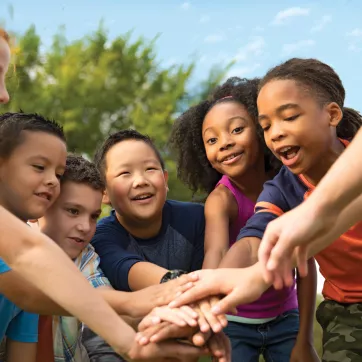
x,y
95,217
211,141
39,167
265,128
73,211
292,118
238,130
124,173
151,169
59,176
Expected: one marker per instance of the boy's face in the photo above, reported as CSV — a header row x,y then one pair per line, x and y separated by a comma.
x,y
29,177
72,219
136,182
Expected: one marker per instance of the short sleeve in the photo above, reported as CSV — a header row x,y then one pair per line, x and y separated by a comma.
x,y
3,267
24,328
270,205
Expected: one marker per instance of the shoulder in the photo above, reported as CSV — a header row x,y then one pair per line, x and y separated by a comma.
x,y
109,227
180,208
187,218
220,201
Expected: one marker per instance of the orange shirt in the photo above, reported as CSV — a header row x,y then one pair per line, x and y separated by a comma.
x,y
45,351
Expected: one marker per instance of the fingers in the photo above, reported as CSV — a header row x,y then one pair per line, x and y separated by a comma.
x,y
203,324
229,302
180,316
211,319
220,347
199,291
182,350
199,339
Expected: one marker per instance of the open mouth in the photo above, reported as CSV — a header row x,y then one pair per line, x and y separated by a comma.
x,y
77,240
289,152
44,195
142,197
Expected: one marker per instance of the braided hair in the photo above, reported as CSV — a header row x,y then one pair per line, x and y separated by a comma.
x,y
325,84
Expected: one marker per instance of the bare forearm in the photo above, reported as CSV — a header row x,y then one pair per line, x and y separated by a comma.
x,y
242,254
335,192
213,258
143,275
34,256
306,289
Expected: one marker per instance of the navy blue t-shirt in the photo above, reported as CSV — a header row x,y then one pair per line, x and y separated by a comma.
x,y
179,244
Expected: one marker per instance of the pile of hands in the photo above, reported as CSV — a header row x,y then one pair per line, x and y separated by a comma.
x,y
190,330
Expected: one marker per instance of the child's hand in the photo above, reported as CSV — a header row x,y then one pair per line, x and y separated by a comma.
x,y
304,351
143,301
164,352
180,316
206,318
220,347
241,286
164,331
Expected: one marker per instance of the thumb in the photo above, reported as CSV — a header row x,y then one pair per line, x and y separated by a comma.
x,y
229,302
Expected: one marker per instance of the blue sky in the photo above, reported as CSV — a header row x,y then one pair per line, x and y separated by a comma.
x,y
255,34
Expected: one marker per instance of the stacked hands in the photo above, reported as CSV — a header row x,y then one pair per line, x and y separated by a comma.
x,y
192,327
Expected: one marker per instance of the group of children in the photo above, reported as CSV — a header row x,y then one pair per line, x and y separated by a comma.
x,y
258,148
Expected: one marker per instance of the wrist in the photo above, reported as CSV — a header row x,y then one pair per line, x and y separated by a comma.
x,y
171,275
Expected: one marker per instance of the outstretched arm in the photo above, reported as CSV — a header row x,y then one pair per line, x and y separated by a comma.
x,y
317,215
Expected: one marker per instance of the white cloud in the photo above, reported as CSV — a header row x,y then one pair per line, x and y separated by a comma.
x,y
185,6
357,33
254,48
321,24
284,15
204,19
294,47
214,38
355,40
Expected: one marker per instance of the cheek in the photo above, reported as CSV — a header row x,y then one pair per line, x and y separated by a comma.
x,y
210,154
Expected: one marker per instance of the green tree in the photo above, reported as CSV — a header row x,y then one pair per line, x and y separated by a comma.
x,y
95,86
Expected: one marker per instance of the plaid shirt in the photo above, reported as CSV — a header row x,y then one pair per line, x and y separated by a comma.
x,y
67,331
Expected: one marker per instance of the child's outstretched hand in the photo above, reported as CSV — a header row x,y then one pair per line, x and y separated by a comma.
x,y
241,286
218,344
207,320
143,301
183,316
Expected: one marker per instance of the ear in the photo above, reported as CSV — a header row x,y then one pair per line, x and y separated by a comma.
x,y
165,175
335,114
105,199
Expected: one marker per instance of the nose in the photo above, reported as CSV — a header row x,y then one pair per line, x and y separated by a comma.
x,y
140,181
4,95
84,225
226,142
52,180
277,132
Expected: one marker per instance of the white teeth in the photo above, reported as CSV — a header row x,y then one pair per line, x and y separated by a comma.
x,y
229,158
285,149
142,197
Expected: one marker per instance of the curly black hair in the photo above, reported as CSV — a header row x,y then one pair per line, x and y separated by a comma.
x,y
82,171
193,167
324,83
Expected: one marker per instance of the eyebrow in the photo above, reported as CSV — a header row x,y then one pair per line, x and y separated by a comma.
x,y
279,110
79,206
229,120
43,158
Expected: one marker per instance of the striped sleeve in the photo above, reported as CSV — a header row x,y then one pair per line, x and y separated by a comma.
x,y
270,205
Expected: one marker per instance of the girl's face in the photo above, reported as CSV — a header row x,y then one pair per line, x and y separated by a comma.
x,y
298,129
4,65
230,139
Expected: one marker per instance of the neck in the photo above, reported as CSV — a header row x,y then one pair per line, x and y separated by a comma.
x,y
318,171
142,229
252,181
